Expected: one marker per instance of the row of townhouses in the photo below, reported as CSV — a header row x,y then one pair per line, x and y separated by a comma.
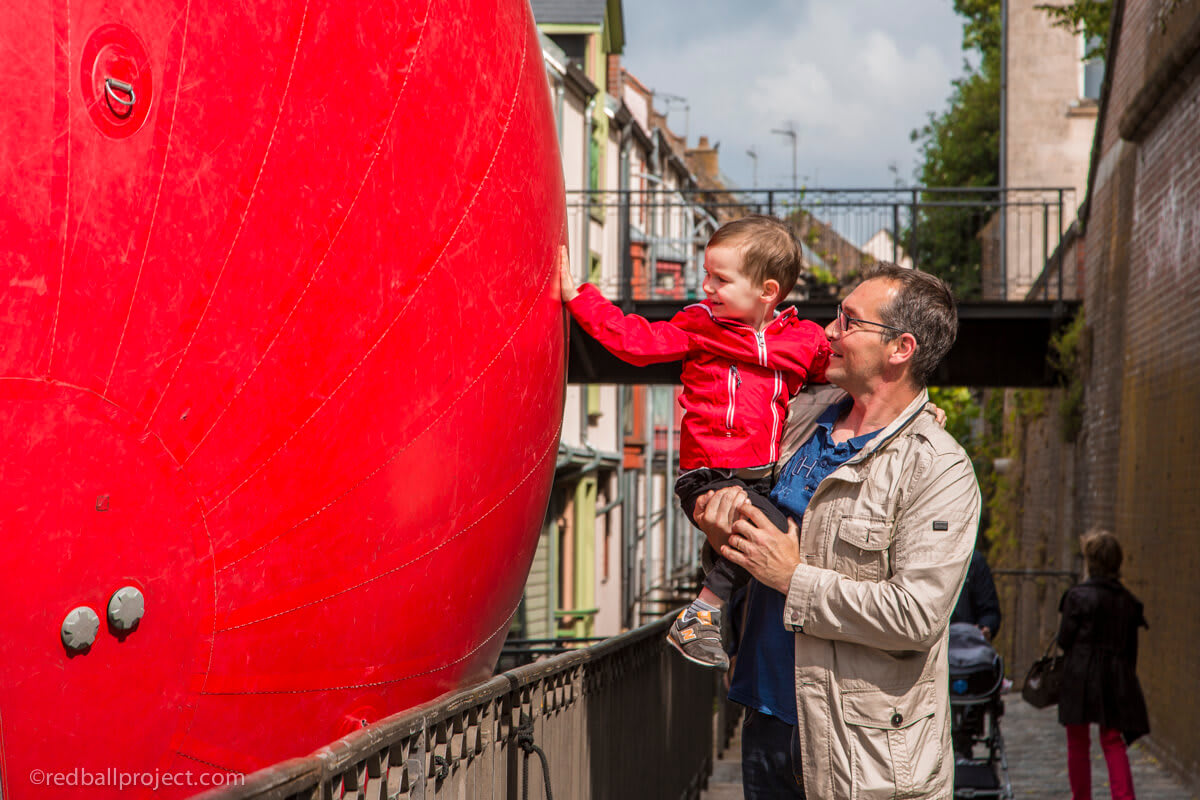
x,y
613,547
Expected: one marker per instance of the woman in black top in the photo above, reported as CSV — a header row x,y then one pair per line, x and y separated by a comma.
x,y
1099,630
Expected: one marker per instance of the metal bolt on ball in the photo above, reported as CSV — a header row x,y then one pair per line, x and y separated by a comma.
x,y
125,609
79,629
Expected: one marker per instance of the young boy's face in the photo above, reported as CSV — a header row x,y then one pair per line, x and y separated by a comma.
x,y
732,294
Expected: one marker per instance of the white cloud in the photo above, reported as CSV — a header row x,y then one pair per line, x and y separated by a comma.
x,y
854,78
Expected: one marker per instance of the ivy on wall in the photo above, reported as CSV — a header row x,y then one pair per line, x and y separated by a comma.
x,y
1005,418
1067,350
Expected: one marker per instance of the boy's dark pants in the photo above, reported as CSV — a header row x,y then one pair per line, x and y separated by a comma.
x,y
725,577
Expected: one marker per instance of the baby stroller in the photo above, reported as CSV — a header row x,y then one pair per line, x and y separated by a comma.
x,y
976,678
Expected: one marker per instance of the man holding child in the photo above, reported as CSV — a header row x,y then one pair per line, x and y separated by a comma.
x,y
856,519
883,507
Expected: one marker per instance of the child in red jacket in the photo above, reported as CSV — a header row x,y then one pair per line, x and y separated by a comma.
x,y
742,361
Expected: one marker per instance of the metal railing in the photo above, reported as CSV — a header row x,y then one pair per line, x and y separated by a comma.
x,y
648,244
989,243
626,718
1029,607
518,652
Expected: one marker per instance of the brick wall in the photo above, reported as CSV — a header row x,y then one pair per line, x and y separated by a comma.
x,y
1158,481
615,75
1105,299
1141,430
1129,71
1037,536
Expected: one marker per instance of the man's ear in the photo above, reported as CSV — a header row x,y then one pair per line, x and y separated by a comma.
x,y
770,290
905,348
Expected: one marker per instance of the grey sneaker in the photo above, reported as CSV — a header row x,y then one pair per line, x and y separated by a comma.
x,y
699,639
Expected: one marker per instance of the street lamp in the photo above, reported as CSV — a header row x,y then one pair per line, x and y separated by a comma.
x,y
753,153
790,132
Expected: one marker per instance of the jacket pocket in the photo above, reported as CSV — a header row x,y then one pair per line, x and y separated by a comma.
x,y
895,742
861,547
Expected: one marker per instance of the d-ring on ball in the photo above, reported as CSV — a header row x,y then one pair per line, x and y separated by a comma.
x,y
120,86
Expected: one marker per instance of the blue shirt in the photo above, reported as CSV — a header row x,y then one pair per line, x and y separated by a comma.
x,y
764,677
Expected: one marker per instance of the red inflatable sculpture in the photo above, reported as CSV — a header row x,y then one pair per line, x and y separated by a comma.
x,y
281,372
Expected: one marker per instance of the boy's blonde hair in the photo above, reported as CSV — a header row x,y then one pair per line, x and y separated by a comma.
x,y
769,250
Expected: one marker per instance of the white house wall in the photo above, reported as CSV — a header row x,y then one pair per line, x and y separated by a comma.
x,y
1048,133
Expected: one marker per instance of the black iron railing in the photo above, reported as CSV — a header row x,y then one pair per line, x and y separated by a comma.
x,y
989,243
624,718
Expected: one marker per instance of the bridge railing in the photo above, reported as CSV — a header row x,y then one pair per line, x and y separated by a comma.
x,y
989,243
625,718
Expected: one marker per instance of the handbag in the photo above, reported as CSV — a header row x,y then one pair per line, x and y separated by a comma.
x,y
1044,679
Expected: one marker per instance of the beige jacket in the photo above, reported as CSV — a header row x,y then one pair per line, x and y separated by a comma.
x,y
886,541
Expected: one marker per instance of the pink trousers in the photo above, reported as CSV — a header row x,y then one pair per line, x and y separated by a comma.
x,y
1079,766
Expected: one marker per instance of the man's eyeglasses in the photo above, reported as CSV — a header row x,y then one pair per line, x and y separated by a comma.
x,y
844,321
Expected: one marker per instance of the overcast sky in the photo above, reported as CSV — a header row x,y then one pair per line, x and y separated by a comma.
x,y
853,76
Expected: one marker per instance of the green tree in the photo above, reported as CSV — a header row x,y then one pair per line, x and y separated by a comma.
x,y
960,147
1089,17
962,412
981,28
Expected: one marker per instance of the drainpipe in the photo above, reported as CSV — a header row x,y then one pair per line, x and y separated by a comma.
x,y
635,562
669,496
653,240
552,598
689,249
586,234
1003,149
627,558
625,278
559,100
624,243
647,539
652,228
585,241
552,529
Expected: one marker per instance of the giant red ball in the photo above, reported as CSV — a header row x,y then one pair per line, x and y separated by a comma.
x,y
281,359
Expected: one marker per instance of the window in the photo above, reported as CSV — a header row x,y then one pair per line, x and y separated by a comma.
x,y
1093,69
574,45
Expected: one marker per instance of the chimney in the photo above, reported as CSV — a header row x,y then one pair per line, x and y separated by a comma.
x,y
702,161
615,75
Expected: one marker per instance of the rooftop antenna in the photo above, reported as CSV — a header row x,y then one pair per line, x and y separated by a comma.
x,y
790,131
676,101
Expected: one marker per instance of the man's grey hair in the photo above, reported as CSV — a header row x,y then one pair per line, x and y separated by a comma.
x,y
924,306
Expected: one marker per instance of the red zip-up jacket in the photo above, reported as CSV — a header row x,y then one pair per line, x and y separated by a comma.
x,y
736,381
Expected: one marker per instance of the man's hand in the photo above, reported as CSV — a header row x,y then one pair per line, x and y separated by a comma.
x,y
716,512
766,552
566,281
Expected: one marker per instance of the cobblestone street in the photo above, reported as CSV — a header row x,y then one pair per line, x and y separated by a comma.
x,y
1037,762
